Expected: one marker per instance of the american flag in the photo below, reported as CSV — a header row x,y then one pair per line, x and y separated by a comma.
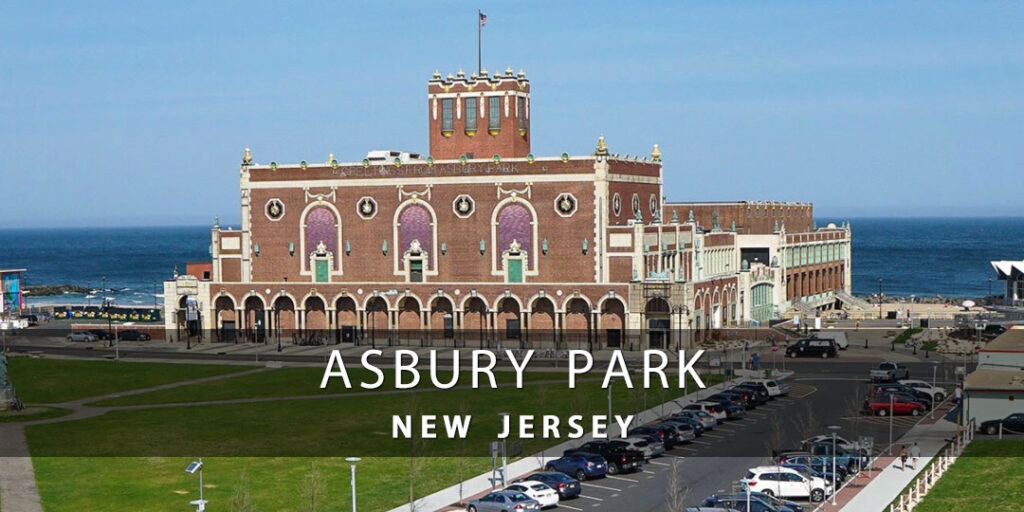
x,y
483,20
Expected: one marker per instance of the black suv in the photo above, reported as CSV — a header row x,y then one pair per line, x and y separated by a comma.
x,y
133,335
813,348
620,460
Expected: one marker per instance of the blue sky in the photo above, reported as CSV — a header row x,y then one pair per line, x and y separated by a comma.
x,y
125,114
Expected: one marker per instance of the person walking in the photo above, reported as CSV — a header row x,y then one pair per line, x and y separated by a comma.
x,y
915,453
754,359
903,457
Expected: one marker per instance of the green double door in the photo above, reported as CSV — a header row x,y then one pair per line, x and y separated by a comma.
x,y
322,271
515,271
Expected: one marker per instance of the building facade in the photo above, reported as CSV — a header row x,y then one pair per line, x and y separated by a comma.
x,y
480,242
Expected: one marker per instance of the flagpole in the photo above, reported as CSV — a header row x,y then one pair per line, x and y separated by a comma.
x,y
479,53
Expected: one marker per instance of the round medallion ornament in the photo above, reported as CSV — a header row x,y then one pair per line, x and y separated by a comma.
x,y
463,206
565,205
654,204
636,205
616,204
366,207
274,209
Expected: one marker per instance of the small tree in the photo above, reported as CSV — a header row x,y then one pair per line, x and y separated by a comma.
x,y
314,488
241,501
675,493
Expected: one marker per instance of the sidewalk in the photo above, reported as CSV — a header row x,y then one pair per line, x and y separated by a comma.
x,y
888,477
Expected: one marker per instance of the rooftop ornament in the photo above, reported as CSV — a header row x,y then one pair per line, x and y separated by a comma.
x,y
565,158
530,158
496,158
656,154
602,148
247,157
366,162
675,217
303,165
273,166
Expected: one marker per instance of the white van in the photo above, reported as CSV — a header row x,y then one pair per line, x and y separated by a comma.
x,y
838,336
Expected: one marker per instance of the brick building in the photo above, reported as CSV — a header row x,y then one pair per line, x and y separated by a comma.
x,y
479,242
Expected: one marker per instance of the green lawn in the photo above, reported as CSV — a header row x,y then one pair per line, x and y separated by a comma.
x,y
303,381
274,484
988,477
48,381
285,435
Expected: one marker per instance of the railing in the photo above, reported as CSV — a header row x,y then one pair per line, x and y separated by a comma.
x,y
912,496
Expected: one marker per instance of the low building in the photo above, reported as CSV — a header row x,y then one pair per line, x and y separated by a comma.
x,y
996,388
11,298
481,243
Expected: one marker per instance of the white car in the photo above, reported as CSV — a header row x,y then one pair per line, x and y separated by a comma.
x,y
935,392
539,491
706,420
786,483
775,387
640,444
714,409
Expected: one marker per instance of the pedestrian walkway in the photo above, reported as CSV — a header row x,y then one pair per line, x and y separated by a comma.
x,y
875,489
18,492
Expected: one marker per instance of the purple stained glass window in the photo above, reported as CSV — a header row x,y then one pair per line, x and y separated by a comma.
x,y
514,223
321,226
414,224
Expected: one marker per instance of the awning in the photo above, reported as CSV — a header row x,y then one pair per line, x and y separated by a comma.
x,y
1007,268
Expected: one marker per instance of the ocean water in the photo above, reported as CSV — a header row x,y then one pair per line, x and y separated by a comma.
x,y
913,256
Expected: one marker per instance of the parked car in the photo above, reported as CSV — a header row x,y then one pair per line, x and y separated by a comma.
x,y
538,491
935,392
82,336
758,395
890,372
503,501
774,387
827,475
851,459
716,410
133,335
565,485
827,438
582,466
818,463
695,424
813,347
101,334
733,410
738,503
772,501
895,387
899,404
705,419
668,436
1012,424
740,398
683,428
619,459
709,509
786,483
648,446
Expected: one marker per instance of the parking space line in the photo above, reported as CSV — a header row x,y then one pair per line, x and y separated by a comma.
x,y
687,449
623,479
601,487
658,463
562,505
714,436
701,442
590,497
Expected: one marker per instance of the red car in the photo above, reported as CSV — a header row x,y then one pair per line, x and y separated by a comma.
x,y
880,405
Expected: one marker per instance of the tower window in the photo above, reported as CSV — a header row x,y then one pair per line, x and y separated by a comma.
x,y
447,116
471,116
521,112
494,114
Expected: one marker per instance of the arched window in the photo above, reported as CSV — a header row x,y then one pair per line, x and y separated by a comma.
x,y
321,234
514,237
414,229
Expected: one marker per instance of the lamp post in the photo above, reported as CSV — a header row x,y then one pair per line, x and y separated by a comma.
x,y
106,310
193,468
504,451
154,295
892,399
352,461
834,429
879,298
935,372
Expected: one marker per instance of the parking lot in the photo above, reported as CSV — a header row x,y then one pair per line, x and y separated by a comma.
x,y
822,394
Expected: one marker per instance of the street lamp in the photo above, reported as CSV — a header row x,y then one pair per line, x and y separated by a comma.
x,y
107,303
935,370
892,399
193,468
504,451
834,429
353,461
879,298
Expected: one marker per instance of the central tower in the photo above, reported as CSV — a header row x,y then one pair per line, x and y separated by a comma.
x,y
479,116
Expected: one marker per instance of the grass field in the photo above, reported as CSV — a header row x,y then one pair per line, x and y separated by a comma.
x,y
988,477
285,434
49,381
